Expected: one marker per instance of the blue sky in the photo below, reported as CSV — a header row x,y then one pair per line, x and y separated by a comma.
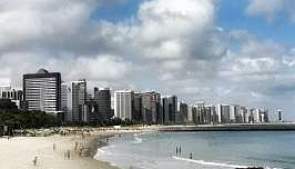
x,y
231,15
118,11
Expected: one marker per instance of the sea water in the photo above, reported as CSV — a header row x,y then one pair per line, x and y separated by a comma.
x,y
209,150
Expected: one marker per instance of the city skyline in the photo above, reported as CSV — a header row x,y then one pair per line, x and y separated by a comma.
x,y
227,51
79,102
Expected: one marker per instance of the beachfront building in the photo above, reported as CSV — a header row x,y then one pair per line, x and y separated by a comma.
x,y
199,113
123,104
225,116
182,109
74,97
241,114
151,104
190,114
219,112
169,109
137,108
15,95
280,114
256,115
233,113
204,114
210,114
42,91
102,98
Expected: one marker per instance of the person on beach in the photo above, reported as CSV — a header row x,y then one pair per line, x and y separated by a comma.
x,y
176,150
191,156
68,154
179,150
35,160
76,146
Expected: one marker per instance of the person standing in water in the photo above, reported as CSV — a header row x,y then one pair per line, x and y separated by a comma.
x,y
179,150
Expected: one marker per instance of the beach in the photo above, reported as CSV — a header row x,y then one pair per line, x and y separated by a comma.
x,y
52,152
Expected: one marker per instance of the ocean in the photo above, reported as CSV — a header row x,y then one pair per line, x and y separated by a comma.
x,y
209,150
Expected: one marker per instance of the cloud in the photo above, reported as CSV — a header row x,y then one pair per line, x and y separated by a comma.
x,y
270,9
105,67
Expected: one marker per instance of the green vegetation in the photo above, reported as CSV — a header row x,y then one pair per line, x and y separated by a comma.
x,y
16,119
13,118
30,119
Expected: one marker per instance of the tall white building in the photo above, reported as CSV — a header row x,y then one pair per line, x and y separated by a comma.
x,y
219,112
234,112
190,113
123,104
256,115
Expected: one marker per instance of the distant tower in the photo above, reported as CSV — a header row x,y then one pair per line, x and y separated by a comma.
x,y
102,97
74,96
280,116
123,104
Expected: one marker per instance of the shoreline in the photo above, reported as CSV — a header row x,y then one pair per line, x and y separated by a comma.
x,y
77,149
54,152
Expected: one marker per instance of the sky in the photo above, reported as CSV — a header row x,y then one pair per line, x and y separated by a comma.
x,y
219,51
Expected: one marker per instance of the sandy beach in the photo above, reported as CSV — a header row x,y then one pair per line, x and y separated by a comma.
x,y
53,152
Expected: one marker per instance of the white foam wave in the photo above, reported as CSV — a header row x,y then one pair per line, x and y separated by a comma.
x,y
137,140
207,163
99,152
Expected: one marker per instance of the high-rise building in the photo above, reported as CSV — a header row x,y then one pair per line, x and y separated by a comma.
x,y
199,113
102,98
234,110
76,96
64,98
210,114
219,112
225,113
241,115
256,115
280,115
190,114
137,108
151,103
259,116
169,109
182,109
123,104
14,95
42,91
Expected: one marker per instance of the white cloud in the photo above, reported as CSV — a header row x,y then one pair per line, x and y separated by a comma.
x,y
265,8
270,9
105,67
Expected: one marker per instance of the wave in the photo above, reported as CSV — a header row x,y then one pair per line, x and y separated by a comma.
x,y
99,152
202,162
137,140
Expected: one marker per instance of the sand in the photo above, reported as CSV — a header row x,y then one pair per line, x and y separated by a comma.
x,y
20,152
